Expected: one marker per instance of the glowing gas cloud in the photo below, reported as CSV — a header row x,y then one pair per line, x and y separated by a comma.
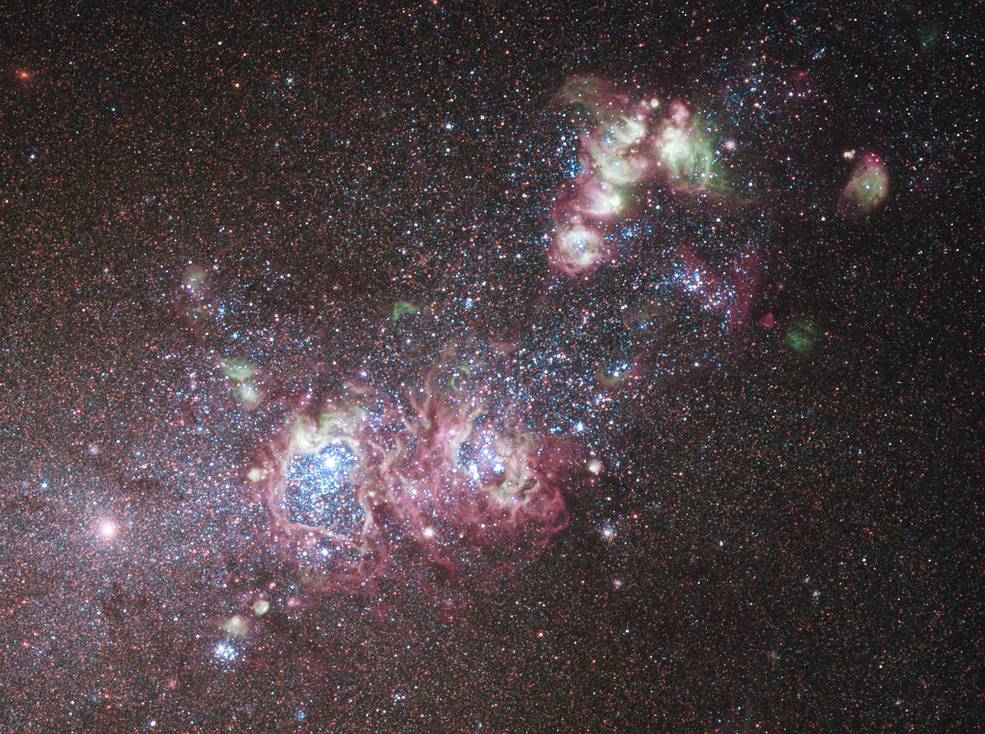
x,y
453,472
441,474
867,188
625,144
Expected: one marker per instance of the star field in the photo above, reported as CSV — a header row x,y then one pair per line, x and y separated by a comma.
x,y
437,367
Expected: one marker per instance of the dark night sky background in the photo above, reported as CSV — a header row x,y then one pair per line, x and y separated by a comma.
x,y
786,535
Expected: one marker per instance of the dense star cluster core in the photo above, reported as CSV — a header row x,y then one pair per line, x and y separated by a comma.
x,y
464,367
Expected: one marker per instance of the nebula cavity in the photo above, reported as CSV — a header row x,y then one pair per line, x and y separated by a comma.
x,y
577,249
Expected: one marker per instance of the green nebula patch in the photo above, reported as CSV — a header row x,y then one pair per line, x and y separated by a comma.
x,y
802,336
403,308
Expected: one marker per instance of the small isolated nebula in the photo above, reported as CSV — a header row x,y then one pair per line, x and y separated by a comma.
x,y
577,250
867,188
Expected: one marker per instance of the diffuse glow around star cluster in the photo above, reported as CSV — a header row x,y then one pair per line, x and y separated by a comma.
x,y
626,145
454,464
442,466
